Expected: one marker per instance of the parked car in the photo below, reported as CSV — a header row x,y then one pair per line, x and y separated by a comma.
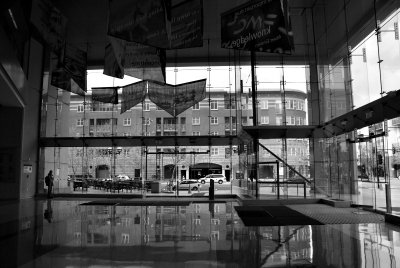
x,y
185,184
266,179
123,178
216,177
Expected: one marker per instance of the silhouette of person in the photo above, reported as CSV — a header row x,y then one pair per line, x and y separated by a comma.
x,y
49,182
48,213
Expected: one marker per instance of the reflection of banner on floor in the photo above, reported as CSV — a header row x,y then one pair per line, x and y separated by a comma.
x,y
105,94
132,95
134,59
156,23
257,25
175,99
50,23
69,72
141,21
187,24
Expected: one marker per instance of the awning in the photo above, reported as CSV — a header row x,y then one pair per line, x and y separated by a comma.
x,y
206,165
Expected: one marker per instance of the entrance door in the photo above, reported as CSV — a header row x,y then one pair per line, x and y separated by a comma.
x,y
183,174
227,174
373,171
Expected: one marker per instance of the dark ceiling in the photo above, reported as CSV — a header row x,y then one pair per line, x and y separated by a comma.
x,y
87,28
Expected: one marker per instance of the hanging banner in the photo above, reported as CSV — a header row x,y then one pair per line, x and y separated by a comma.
x,y
187,24
134,59
145,62
132,95
70,72
49,22
114,57
257,26
155,23
140,21
162,95
175,99
75,63
105,94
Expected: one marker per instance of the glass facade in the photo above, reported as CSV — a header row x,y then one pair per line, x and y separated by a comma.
x,y
341,72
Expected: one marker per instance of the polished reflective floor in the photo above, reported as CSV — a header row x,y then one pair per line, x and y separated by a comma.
x,y
180,233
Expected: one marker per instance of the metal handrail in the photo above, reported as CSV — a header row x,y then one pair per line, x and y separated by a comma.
x,y
291,168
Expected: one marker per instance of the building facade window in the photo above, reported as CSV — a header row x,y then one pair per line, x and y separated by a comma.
x,y
80,108
214,105
264,104
214,120
264,120
290,104
214,151
292,120
127,121
195,120
146,106
196,133
196,106
299,121
80,122
301,105
214,133
279,120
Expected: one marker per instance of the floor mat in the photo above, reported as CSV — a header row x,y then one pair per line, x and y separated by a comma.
x,y
333,215
273,216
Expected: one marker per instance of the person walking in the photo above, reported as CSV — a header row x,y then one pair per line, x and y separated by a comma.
x,y
49,180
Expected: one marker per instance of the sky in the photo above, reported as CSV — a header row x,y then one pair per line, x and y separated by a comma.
x,y
220,78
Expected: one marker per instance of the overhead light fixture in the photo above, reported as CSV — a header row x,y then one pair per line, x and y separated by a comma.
x,y
12,19
369,114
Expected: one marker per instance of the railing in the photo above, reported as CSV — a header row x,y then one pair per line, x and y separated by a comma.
x,y
293,169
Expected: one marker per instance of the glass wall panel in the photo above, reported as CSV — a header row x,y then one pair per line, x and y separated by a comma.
x,y
132,170
389,50
365,72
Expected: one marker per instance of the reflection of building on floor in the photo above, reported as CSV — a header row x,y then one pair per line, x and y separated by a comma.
x,y
199,223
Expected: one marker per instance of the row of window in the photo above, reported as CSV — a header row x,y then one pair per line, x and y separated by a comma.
x,y
126,151
167,124
213,104
104,107
264,120
291,104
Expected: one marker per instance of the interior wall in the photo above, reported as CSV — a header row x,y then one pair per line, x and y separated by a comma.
x,y
12,82
10,151
30,136
19,108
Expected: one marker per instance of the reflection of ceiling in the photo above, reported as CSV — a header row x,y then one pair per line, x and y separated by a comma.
x,y
10,97
87,27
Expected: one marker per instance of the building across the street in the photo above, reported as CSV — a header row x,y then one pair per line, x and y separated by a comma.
x,y
216,115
